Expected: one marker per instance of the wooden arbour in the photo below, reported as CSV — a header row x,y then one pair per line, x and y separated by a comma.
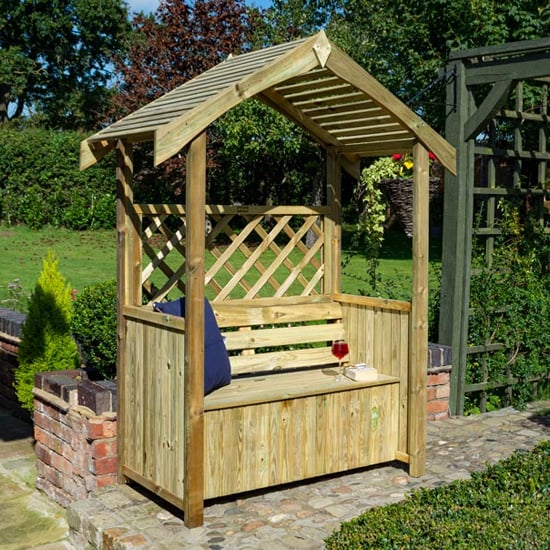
x,y
496,137
169,433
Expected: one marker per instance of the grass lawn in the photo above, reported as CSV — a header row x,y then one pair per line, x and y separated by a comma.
x,y
89,257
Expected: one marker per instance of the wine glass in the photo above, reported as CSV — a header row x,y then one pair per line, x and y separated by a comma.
x,y
340,349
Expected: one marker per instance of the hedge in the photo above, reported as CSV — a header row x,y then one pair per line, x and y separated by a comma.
x,y
41,182
505,506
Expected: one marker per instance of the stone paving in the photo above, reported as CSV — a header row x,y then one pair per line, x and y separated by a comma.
x,y
301,516
28,519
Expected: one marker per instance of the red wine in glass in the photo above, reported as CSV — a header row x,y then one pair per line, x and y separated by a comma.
x,y
340,349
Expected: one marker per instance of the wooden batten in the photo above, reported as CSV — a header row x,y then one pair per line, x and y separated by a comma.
x,y
419,313
194,335
333,225
124,174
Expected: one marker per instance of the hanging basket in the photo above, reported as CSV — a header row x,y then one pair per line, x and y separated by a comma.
x,y
398,193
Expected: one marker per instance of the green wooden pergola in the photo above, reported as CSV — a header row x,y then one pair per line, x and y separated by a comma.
x,y
485,92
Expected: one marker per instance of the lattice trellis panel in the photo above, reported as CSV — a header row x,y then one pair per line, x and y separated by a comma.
x,y
251,251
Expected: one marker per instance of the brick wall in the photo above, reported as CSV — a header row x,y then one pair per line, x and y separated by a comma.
x,y
11,323
439,381
75,430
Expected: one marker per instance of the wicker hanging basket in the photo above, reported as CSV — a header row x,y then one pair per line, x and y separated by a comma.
x,y
398,194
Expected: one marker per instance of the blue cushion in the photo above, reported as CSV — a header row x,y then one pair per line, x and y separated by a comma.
x,y
217,371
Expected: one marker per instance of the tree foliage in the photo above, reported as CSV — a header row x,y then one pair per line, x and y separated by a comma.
x,y
55,56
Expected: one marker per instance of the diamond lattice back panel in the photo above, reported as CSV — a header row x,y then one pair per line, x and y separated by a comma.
x,y
251,251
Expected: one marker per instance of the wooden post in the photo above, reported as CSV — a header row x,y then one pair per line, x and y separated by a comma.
x,y
193,494
333,226
457,236
419,313
126,283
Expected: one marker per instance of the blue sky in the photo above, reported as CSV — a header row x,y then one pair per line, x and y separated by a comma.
x,y
151,5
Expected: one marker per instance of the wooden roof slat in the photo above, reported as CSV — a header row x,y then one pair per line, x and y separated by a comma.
x,y
310,81
351,121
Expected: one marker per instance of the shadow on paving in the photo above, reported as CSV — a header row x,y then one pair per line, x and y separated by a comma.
x,y
28,519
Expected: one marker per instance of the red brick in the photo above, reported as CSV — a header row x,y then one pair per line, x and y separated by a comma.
x,y
442,392
102,466
99,428
104,448
40,435
105,480
53,476
62,464
43,453
438,416
438,379
430,394
437,406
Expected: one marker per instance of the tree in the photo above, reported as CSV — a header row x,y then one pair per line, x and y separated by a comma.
x,y
55,58
46,341
406,45
180,41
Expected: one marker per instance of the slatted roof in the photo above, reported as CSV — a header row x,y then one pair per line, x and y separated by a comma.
x,y
311,81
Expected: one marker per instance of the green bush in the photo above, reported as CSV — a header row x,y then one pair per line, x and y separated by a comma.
x,y
94,327
505,506
46,341
510,306
41,182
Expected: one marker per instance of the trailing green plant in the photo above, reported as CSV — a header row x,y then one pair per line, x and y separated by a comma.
x,y
504,506
46,341
94,327
372,215
510,307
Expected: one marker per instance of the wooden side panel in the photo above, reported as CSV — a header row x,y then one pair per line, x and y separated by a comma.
x,y
268,444
153,427
379,336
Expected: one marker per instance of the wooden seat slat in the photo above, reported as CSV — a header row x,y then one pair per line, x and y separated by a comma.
x,y
281,360
232,315
289,385
283,336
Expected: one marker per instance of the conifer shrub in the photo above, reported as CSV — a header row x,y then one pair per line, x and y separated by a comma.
x,y
46,340
94,327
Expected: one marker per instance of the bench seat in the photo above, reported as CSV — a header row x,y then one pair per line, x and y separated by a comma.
x,y
287,385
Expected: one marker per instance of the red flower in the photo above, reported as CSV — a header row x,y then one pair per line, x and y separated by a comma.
x,y
397,156
432,156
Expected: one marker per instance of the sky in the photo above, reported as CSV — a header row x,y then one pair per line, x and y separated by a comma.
x,y
149,6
